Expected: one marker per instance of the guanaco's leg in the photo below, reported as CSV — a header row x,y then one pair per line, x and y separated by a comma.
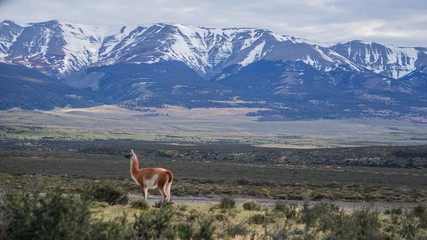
x,y
163,192
144,192
161,188
168,191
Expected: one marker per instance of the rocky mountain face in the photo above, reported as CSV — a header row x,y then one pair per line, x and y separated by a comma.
x,y
152,65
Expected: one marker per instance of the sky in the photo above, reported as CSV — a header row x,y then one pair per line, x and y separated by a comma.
x,y
397,22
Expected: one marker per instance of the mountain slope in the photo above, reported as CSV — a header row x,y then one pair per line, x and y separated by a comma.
x,y
152,65
29,89
154,84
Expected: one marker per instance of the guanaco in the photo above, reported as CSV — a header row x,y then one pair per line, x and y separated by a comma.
x,y
150,177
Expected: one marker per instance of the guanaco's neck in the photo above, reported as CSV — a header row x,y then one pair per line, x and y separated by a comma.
x,y
134,165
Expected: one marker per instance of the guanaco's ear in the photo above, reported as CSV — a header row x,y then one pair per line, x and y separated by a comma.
x,y
132,152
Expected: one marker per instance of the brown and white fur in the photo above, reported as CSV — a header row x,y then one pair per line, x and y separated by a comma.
x,y
150,177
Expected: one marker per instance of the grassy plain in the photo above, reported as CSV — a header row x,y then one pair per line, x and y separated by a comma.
x,y
215,124
31,156
222,153
207,165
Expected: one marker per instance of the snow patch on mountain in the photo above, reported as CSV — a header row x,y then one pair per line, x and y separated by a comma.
x,y
254,55
340,59
309,61
387,60
324,56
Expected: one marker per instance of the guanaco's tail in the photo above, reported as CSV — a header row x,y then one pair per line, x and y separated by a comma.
x,y
170,176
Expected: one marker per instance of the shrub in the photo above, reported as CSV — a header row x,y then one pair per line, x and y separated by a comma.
x,y
206,231
154,225
251,206
163,204
33,215
239,229
140,204
221,217
198,228
279,232
361,224
227,203
280,206
290,211
397,211
183,207
368,222
185,231
257,219
419,210
310,215
409,228
109,194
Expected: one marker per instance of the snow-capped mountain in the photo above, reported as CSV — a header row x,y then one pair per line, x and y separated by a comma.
x,y
178,64
391,61
60,48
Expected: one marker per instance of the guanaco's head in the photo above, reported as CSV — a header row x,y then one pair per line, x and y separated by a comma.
x,y
131,155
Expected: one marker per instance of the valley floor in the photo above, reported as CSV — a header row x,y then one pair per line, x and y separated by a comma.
x,y
230,125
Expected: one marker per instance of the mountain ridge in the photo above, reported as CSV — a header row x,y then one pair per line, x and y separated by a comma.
x,y
153,64
205,50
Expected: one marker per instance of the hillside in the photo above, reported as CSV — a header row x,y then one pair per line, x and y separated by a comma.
x,y
142,66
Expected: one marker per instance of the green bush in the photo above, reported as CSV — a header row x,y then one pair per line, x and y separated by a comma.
x,y
310,215
206,230
154,225
37,216
221,217
397,211
251,206
185,230
33,215
257,219
367,223
163,204
140,204
182,207
280,232
419,210
227,203
239,229
280,206
408,228
290,211
196,227
361,224
105,193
